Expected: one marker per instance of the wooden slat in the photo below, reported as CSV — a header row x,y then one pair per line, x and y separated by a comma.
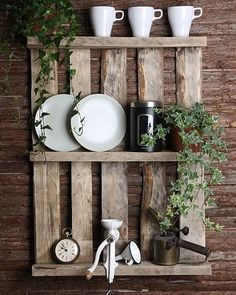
x,y
115,195
81,186
51,87
80,61
128,42
150,83
154,194
114,181
46,182
46,209
144,269
119,156
150,74
113,75
189,91
35,66
189,76
81,173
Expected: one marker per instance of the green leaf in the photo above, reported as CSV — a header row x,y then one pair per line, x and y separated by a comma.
x,y
44,114
74,112
46,127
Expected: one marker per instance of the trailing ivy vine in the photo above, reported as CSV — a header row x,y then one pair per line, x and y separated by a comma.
x,y
51,21
197,130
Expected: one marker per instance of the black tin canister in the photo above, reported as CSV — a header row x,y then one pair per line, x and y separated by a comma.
x,y
143,119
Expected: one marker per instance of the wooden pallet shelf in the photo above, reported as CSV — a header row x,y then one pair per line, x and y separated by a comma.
x,y
146,268
121,156
128,42
114,164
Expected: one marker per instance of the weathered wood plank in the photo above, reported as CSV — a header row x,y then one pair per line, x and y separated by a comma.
x,y
51,87
114,181
127,42
150,74
189,91
154,194
81,186
80,61
81,173
119,156
114,195
113,74
150,84
144,269
46,209
189,76
46,182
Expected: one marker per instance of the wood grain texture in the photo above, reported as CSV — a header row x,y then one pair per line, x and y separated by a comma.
x,y
81,190
113,74
189,91
51,87
81,173
150,74
114,181
46,209
189,76
46,181
127,42
145,268
114,195
81,82
150,85
154,194
113,156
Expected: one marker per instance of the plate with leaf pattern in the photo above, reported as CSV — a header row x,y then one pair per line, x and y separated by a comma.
x,y
99,122
55,115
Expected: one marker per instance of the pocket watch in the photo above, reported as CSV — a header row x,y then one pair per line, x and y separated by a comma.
x,y
65,250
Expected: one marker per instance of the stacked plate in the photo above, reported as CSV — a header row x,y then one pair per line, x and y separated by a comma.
x,y
97,122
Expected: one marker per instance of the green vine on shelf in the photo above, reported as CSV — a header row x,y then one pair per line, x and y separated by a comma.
x,y
51,21
202,149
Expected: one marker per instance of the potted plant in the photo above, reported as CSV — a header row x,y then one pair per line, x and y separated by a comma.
x,y
196,128
51,21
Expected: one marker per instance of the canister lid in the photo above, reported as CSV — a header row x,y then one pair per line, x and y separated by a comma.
x,y
146,104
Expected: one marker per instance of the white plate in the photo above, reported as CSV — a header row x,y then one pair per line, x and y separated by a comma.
x,y
60,137
104,122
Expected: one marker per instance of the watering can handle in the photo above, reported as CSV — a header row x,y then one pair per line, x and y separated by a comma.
x,y
195,248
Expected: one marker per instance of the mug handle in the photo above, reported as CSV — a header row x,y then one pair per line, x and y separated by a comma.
x,y
197,9
122,15
157,17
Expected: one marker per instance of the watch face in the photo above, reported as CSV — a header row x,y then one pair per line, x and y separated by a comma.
x,y
66,250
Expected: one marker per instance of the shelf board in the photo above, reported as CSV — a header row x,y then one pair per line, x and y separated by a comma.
x,y
144,269
127,42
121,156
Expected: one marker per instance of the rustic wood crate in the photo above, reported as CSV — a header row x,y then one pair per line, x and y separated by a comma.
x,y
114,196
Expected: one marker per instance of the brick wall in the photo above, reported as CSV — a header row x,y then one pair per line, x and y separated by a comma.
x,y
218,23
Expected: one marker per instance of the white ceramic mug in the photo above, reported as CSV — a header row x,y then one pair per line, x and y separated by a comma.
x,y
141,18
180,19
102,19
